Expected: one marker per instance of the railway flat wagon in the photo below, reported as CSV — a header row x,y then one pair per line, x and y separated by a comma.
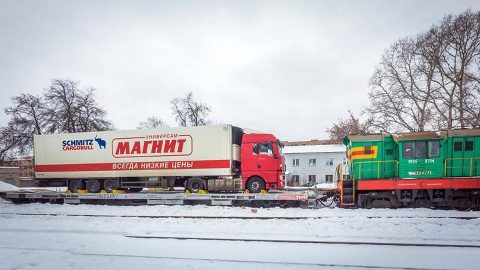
x,y
423,169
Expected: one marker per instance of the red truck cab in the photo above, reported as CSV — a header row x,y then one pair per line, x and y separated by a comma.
x,y
263,164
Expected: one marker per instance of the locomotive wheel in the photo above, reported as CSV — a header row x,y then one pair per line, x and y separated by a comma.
x,y
93,185
110,184
75,185
255,184
194,185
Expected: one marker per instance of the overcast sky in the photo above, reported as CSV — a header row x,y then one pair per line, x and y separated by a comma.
x,y
287,67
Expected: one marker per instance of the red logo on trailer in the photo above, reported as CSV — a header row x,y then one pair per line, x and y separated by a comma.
x,y
153,146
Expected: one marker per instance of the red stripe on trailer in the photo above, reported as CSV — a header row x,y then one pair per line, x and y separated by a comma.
x,y
132,166
426,183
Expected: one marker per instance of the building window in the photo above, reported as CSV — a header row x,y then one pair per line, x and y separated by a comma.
x,y
328,178
329,162
295,162
312,180
312,162
295,180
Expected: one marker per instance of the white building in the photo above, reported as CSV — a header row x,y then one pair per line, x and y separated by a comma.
x,y
310,164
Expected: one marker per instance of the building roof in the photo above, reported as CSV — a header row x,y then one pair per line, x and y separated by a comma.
x,y
325,148
308,142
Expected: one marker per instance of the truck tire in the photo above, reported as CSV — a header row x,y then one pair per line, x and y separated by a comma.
x,y
75,185
110,184
94,186
255,184
194,185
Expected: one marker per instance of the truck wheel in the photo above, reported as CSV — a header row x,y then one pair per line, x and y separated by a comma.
x,y
94,186
255,184
75,185
110,184
194,185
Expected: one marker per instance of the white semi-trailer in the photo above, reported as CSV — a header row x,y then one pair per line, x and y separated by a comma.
x,y
218,158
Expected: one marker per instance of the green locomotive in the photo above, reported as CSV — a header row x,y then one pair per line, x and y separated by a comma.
x,y
440,168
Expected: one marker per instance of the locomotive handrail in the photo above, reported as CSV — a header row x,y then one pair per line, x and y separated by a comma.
x,y
378,162
470,166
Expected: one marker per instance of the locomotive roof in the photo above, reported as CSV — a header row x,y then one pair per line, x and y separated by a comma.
x,y
367,137
411,136
424,135
464,132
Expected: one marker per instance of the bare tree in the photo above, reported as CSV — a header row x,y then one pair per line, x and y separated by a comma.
x,y
401,89
72,109
27,117
189,112
458,38
152,122
90,116
63,108
61,98
351,125
430,81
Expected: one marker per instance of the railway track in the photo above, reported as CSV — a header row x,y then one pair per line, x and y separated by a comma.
x,y
221,260
356,243
233,217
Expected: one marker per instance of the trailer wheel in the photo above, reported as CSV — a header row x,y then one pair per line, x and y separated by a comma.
x,y
94,186
255,184
194,185
110,184
75,185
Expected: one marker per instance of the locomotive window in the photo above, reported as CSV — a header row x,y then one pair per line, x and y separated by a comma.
x,y
409,150
468,145
433,149
420,149
457,146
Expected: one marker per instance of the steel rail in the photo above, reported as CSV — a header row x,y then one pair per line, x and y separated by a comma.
x,y
232,217
356,243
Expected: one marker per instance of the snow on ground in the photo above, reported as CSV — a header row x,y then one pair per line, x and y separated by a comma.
x,y
59,241
5,187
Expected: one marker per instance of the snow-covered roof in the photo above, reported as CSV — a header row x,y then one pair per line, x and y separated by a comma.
x,y
324,148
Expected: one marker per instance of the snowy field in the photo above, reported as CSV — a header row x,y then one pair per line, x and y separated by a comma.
x,y
62,237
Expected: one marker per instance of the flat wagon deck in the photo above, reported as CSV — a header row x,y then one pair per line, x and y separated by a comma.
x,y
274,198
